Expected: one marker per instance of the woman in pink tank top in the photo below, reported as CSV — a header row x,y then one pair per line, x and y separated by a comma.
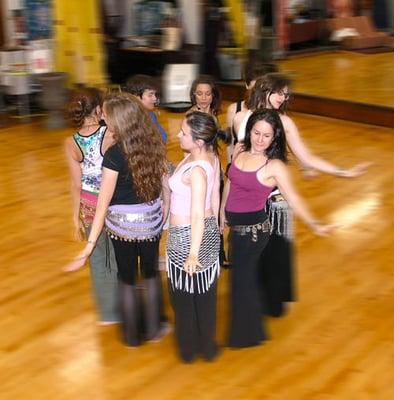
x,y
194,240
258,168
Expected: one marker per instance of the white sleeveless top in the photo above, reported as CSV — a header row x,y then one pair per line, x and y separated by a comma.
x,y
242,127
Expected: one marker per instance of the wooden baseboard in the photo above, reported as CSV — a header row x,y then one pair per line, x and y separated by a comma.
x,y
372,114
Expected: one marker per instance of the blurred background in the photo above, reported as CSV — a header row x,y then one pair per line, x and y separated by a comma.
x,y
47,45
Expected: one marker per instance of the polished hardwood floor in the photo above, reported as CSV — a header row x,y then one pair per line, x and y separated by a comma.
x,y
345,75
337,341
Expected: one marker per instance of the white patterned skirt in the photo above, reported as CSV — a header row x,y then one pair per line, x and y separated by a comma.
x,y
178,248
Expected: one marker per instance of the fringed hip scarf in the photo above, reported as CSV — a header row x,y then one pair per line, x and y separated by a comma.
x,y
87,207
135,222
178,247
280,215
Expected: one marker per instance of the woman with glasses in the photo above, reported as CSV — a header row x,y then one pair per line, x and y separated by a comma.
x,y
272,91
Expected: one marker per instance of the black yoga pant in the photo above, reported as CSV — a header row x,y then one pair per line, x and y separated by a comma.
x,y
127,254
195,322
246,326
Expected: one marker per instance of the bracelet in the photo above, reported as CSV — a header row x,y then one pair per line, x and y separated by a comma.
x,y
340,172
315,223
92,241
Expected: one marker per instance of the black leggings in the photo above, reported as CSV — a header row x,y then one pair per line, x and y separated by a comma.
x,y
127,254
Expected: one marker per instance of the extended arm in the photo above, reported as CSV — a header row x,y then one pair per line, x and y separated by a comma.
x,y
309,160
296,202
107,188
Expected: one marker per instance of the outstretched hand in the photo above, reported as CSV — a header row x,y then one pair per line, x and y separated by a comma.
x,y
324,230
310,173
357,170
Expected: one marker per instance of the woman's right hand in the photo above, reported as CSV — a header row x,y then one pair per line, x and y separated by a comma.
x,y
80,260
237,149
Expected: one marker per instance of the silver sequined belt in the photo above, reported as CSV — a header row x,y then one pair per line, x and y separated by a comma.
x,y
243,230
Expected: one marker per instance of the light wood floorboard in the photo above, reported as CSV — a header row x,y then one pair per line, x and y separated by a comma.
x,y
336,342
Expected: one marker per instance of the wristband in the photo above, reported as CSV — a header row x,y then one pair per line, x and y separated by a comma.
x,y
340,172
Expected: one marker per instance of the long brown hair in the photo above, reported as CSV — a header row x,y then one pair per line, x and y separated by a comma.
x,y
263,88
140,141
216,99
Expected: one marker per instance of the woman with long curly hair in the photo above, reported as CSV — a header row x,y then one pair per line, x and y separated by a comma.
x,y
133,203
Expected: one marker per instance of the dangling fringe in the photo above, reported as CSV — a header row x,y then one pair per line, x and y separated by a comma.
x,y
281,219
185,282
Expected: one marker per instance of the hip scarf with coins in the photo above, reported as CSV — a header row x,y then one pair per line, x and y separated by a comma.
x,y
178,248
135,222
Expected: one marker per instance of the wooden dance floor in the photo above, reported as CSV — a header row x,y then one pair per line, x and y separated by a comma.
x,y
336,343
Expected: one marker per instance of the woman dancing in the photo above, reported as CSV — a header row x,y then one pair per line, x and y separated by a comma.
x,y
272,91
255,171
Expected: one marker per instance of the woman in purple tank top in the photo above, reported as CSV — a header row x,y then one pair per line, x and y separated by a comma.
x,y
258,168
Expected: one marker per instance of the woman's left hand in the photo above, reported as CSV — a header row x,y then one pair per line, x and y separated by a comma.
x,y
324,230
357,170
191,265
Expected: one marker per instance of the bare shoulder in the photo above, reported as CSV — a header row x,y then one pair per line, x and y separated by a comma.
x,y
69,140
197,175
277,166
288,123
69,144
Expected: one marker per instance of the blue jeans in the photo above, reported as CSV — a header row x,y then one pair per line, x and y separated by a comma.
x,y
104,275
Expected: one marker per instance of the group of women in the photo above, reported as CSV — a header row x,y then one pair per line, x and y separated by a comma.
x,y
121,180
